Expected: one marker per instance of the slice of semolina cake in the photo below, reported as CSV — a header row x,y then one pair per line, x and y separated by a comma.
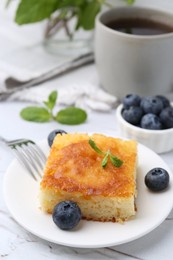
x,y
74,172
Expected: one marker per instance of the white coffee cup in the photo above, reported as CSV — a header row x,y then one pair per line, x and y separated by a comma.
x,y
129,63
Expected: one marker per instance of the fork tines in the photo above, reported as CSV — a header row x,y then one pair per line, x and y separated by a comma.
x,y
31,157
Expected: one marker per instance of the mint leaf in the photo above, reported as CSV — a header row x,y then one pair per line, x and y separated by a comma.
x,y
95,147
115,161
71,116
35,114
105,160
50,103
31,11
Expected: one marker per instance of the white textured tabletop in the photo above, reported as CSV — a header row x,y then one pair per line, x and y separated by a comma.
x,y
16,243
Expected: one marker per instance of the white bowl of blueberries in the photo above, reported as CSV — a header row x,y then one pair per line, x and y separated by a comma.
x,y
149,120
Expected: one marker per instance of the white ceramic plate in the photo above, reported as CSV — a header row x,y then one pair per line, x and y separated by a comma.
x,y
21,196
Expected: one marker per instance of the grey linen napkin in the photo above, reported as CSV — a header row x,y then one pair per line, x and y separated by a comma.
x,y
13,84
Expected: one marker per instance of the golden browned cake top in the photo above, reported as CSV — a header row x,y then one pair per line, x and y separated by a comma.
x,y
73,166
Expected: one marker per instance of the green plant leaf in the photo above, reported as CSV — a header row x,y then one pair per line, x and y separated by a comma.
x,y
71,116
129,2
115,161
35,114
31,11
70,3
50,103
95,147
105,160
88,14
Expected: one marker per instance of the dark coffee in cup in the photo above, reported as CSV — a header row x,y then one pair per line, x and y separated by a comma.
x,y
139,26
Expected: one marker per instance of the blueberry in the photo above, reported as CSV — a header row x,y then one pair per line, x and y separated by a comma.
x,y
166,117
131,100
52,135
132,115
151,105
157,179
165,101
151,121
66,215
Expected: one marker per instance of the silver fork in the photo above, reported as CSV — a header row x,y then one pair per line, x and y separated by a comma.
x,y
28,154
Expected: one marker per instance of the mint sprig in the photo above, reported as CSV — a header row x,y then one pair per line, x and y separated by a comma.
x,y
68,116
107,155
